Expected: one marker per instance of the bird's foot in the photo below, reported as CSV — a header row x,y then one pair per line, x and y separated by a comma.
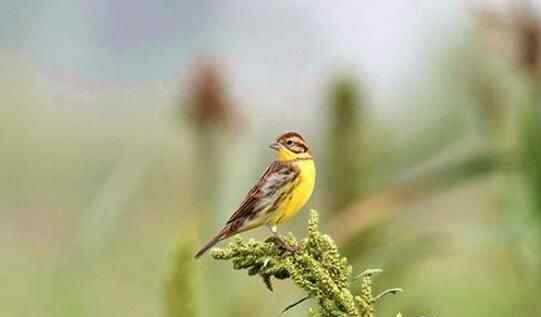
x,y
283,245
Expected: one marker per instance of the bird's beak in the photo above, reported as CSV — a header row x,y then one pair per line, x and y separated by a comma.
x,y
275,146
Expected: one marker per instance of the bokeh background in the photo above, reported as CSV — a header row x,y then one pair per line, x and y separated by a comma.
x,y
130,130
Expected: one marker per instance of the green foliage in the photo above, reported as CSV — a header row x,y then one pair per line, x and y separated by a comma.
x,y
531,144
316,267
180,301
345,146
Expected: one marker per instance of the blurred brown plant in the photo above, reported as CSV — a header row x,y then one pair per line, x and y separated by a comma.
x,y
524,22
524,27
211,113
207,100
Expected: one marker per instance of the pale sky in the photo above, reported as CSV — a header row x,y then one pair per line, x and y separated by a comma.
x,y
275,53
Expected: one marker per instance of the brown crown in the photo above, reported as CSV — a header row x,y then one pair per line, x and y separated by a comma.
x,y
290,134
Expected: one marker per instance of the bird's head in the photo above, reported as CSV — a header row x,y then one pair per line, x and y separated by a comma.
x,y
291,146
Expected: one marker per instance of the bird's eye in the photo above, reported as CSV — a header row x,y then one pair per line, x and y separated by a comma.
x,y
289,142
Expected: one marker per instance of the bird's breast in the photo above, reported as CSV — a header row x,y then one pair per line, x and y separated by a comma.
x,y
301,194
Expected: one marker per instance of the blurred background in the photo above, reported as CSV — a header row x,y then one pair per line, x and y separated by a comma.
x,y
130,131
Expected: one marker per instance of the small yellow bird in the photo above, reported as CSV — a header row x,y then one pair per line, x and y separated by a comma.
x,y
282,190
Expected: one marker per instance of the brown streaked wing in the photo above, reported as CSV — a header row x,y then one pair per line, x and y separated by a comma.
x,y
273,179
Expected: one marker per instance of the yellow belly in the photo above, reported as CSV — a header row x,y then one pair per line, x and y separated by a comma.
x,y
300,195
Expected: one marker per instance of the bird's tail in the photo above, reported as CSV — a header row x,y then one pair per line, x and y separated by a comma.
x,y
224,233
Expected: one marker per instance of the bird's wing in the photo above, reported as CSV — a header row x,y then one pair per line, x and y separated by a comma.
x,y
264,193
273,186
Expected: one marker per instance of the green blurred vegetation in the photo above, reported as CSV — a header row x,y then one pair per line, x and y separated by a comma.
x,y
446,199
180,298
346,144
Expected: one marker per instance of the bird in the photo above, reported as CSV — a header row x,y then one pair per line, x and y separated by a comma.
x,y
281,191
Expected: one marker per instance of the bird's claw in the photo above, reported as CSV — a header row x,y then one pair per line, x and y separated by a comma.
x,y
283,245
